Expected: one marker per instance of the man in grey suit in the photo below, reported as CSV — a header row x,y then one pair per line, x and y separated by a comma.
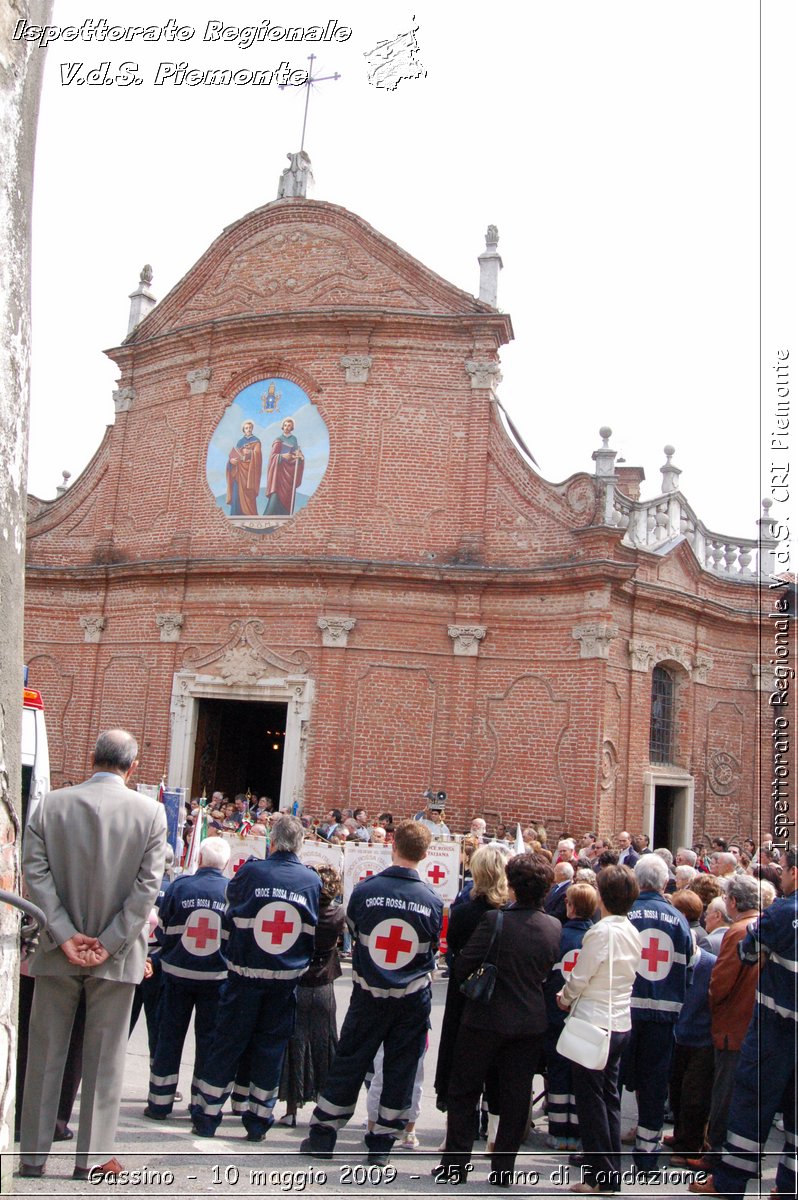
x,y
93,860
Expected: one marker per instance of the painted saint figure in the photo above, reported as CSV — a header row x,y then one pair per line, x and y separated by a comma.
x,y
244,469
286,464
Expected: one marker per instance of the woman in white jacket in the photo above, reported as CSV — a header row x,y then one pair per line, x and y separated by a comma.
x,y
613,941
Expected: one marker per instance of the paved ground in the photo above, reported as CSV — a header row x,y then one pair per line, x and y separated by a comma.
x,y
172,1163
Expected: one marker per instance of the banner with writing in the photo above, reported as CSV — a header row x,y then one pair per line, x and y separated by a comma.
x,y
362,860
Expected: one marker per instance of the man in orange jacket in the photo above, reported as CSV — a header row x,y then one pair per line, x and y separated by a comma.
x,y
732,993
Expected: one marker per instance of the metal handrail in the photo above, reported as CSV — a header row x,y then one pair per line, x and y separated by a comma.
x,y
29,909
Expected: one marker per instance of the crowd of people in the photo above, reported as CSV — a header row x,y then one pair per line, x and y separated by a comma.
x,y
684,960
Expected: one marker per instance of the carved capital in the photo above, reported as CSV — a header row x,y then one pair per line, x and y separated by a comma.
x,y
92,627
198,380
594,638
762,677
484,374
642,655
170,625
702,665
123,398
335,630
466,639
356,367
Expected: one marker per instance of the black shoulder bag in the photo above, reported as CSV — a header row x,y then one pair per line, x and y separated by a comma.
x,y
480,983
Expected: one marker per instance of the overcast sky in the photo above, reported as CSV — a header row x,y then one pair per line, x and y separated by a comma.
x,y
615,145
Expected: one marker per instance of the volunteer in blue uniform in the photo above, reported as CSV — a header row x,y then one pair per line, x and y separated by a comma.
x,y
657,998
580,905
395,921
765,1082
271,915
193,966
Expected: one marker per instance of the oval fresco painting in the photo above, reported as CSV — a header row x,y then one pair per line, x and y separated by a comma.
x,y
268,455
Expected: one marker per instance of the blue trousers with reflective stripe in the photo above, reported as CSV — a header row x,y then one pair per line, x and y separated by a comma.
x,y
764,1083
560,1100
254,1021
401,1024
179,998
645,1069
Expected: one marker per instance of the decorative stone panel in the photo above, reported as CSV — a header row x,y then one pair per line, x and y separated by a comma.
x,y
594,639
170,625
356,367
723,773
466,639
335,630
92,627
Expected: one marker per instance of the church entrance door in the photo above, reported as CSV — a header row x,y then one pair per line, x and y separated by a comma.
x,y
223,734
668,798
240,747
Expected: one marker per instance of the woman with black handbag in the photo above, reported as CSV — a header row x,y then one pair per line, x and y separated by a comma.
x,y
489,892
507,1031
602,982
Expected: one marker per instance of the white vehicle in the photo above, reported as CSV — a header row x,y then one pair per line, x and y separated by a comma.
x,y
35,754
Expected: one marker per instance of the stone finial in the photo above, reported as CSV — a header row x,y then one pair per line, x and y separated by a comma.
x,y
296,178
604,457
62,487
670,474
335,630
766,539
490,264
142,300
466,639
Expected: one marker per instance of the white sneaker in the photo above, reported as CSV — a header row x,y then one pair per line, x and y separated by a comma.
x,y
410,1142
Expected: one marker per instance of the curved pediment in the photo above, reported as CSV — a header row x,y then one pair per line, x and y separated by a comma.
x,y
299,255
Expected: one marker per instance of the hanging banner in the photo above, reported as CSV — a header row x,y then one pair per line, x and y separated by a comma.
x,y
242,848
174,804
441,869
362,860
317,854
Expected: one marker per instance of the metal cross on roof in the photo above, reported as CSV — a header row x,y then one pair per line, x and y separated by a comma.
x,y
311,80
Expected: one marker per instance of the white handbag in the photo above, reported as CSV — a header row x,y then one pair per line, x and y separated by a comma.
x,y
583,1042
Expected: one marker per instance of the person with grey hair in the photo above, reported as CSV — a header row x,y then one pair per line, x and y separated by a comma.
x,y
722,864
651,873
554,903
193,968
716,923
657,997
685,857
93,858
270,918
732,993
684,876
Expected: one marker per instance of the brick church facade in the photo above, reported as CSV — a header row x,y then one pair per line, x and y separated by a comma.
x,y
309,558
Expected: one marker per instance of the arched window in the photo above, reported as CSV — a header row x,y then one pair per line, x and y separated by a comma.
x,y
660,741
